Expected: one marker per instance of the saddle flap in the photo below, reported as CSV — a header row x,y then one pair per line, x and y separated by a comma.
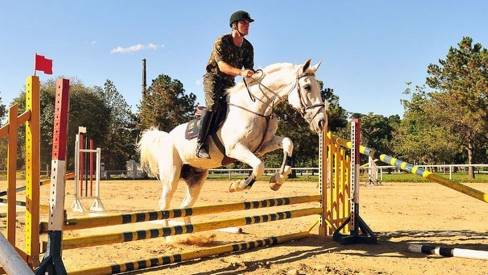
x,y
194,126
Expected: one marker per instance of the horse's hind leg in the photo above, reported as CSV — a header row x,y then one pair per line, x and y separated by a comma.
x,y
169,177
194,179
194,182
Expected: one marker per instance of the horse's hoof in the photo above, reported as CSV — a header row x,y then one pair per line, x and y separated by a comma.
x,y
275,186
242,184
235,186
275,182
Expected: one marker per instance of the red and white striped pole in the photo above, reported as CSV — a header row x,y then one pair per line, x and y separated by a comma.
x,y
53,256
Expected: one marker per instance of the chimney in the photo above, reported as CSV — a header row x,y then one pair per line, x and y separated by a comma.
x,y
143,77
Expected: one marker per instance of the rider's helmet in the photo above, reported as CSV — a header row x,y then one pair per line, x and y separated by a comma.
x,y
240,15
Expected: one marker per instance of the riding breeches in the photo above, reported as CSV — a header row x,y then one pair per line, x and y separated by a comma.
x,y
214,87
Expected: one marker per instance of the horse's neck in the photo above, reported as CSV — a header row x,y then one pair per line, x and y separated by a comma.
x,y
273,89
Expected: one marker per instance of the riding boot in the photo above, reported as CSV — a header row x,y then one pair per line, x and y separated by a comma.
x,y
202,147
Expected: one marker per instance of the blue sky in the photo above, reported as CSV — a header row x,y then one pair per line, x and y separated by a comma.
x,y
368,49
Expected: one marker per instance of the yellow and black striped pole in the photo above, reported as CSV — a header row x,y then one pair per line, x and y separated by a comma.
x,y
90,222
414,169
176,258
70,243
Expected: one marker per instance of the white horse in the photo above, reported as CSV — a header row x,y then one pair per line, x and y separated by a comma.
x,y
247,132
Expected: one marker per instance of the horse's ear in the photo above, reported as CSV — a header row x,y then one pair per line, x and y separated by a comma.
x,y
306,65
316,66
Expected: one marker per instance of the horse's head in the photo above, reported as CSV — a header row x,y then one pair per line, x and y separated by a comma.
x,y
306,98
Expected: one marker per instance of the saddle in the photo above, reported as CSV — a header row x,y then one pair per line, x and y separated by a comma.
x,y
194,126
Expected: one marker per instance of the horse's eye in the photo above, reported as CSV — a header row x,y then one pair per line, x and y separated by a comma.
x,y
307,87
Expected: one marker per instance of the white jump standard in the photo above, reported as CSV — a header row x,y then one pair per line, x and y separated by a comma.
x,y
81,174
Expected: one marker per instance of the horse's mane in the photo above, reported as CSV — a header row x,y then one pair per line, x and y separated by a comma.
x,y
270,69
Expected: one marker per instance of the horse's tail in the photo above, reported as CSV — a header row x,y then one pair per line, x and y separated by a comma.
x,y
154,146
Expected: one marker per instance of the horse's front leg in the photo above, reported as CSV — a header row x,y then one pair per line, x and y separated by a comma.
x,y
286,144
243,154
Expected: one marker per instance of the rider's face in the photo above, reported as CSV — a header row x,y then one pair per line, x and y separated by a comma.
x,y
243,26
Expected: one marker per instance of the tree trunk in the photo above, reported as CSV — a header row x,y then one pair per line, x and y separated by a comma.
x,y
470,161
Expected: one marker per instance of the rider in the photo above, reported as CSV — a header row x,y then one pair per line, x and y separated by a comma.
x,y
232,55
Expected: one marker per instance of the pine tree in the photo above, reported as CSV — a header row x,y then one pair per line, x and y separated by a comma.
x,y
120,140
166,104
460,96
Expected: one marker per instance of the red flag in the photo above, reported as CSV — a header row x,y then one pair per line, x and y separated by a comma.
x,y
44,64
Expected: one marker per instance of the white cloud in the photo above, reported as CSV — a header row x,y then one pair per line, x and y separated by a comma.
x,y
134,48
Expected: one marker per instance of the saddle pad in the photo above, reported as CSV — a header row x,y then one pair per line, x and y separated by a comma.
x,y
192,129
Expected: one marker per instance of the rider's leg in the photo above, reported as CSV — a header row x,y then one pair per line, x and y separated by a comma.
x,y
210,87
202,147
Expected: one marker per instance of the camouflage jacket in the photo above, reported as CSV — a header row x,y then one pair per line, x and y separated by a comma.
x,y
225,50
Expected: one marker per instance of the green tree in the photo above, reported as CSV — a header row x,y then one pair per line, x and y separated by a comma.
x,y
166,104
377,131
86,109
3,110
460,95
121,136
419,138
337,115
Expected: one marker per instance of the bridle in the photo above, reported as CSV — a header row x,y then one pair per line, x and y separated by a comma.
x,y
304,108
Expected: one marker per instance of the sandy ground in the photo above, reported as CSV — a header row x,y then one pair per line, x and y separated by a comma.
x,y
400,213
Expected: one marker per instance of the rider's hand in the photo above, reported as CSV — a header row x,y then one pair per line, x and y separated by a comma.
x,y
246,73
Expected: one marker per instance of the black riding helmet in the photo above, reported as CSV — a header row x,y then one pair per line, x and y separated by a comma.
x,y
240,15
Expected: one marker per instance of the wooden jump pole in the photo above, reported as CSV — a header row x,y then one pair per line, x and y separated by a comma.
x,y
69,243
90,222
186,256
41,183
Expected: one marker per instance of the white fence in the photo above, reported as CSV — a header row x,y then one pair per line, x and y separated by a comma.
x,y
310,171
303,171
438,168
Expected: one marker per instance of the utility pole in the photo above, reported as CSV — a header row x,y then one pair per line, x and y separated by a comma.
x,y
143,78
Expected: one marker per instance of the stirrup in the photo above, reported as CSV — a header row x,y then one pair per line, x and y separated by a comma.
x,y
202,152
